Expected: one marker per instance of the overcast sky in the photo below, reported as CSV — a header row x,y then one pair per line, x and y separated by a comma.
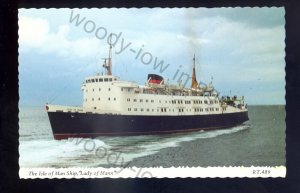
x,y
242,49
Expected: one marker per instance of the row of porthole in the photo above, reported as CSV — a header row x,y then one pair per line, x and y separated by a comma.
x,y
99,99
173,101
180,109
99,89
108,89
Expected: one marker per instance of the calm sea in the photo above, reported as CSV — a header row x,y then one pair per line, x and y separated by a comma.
x,y
259,142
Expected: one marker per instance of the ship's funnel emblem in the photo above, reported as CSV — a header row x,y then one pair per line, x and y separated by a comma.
x,y
155,79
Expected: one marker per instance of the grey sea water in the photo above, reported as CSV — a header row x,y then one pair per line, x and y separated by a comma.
x,y
258,142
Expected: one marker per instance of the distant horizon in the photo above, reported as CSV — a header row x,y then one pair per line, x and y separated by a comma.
x,y
36,106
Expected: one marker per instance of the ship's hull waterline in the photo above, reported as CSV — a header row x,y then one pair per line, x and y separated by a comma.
x,y
88,125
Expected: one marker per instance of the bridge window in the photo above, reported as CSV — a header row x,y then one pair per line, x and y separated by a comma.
x,y
100,79
93,80
110,79
105,79
96,79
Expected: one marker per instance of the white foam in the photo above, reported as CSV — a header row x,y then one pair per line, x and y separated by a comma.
x,y
83,152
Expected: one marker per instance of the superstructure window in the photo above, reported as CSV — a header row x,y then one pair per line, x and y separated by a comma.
x,y
108,89
205,102
93,80
141,100
99,89
96,79
134,100
110,79
109,98
114,98
121,89
105,79
146,100
128,100
99,99
100,79
135,109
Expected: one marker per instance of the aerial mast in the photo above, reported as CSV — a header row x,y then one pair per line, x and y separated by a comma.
x,y
194,80
108,66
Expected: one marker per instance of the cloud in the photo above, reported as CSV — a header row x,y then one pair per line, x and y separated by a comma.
x,y
32,32
35,35
234,45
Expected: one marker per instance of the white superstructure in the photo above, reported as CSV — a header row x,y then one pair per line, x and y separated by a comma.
x,y
108,94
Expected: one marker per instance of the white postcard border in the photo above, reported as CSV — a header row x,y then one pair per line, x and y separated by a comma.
x,y
159,172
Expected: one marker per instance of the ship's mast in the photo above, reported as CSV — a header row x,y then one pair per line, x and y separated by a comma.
x,y
194,80
108,66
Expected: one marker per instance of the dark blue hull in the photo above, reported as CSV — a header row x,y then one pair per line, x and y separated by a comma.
x,y
65,125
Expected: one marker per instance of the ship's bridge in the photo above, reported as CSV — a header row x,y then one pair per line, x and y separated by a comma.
x,y
102,78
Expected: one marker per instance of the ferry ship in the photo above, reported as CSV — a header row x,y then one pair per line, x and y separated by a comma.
x,y
116,107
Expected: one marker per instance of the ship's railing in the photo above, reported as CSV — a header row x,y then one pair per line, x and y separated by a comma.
x,y
233,101
72,109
